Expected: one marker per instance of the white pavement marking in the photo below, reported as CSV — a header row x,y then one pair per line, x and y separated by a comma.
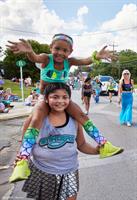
x,y
94,160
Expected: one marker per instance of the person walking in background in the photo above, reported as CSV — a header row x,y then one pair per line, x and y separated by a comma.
x,y
54,158
96,84
110,89
86,94
125,94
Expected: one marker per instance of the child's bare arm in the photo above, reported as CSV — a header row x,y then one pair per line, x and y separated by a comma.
x,y
38,58
26,125
82,61
83,146
102,54
23,46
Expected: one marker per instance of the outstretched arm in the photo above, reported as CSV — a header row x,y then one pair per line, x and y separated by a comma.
x,y
83,146
102,54
24,47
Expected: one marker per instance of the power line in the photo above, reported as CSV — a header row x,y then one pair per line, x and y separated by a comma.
x,y
88,34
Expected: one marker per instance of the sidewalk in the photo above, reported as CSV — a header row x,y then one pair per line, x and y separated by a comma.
x,y
19,110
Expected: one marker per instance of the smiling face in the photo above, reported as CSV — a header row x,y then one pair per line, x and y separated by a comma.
x,y
58,100
126,74
60,49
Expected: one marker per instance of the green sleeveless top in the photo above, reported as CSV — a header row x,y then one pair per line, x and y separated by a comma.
x,y
50,74
111,86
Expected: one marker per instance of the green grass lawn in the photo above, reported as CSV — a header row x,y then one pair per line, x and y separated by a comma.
x,y
15,89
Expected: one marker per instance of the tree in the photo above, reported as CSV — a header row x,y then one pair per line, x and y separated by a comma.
x,y
128,60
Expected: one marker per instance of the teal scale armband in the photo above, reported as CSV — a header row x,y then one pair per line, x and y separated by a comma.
x,y
29,140
94,59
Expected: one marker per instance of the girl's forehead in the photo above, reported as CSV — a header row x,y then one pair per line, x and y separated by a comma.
x,y
61,43
60,92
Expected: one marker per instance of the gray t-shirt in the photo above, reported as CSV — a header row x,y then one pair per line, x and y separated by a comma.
x,y
55,151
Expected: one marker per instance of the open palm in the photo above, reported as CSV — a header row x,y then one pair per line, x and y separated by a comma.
x,y
20,47
106,54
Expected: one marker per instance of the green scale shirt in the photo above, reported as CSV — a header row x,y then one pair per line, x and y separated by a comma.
x,y
50,74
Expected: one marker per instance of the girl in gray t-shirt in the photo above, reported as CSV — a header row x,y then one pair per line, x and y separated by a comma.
x,y
54,158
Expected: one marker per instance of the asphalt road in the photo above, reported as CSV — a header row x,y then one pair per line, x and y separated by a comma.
x,y
113,178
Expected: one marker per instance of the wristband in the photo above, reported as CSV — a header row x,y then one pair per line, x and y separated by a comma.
x,y
94,58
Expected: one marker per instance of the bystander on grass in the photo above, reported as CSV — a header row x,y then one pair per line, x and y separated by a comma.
x,y
15,88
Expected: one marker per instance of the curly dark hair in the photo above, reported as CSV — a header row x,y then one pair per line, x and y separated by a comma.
x,y
51,87
87,79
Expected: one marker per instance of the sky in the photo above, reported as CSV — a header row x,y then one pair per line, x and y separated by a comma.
x,y
91,23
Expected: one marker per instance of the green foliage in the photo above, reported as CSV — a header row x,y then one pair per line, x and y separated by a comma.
x,y
127,60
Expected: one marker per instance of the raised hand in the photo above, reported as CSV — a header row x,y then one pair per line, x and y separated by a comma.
x,y
20,47
107,55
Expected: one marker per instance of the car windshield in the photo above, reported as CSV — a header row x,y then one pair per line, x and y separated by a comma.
x,y
106,78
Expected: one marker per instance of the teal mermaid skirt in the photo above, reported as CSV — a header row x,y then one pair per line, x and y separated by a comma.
x,y
126,111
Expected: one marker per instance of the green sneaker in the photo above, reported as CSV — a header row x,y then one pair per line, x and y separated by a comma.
x,y
108,150
20,172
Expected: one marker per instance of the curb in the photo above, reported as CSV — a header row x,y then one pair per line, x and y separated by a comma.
x,y
4,118
19,113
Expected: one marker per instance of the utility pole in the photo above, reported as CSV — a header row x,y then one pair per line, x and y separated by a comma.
x,y
113,48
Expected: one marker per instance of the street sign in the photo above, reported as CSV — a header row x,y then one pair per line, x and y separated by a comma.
x,y
20,63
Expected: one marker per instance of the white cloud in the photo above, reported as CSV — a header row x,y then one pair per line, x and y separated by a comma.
x,y
123,37
126,18
82,11
34,16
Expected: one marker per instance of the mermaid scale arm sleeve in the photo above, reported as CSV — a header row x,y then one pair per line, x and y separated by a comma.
x,y
94,133
28,142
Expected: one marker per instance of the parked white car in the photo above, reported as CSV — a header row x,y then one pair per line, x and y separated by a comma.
x,y
105,81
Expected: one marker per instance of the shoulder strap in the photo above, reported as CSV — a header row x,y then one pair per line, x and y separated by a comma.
x,y
51,61
66,64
